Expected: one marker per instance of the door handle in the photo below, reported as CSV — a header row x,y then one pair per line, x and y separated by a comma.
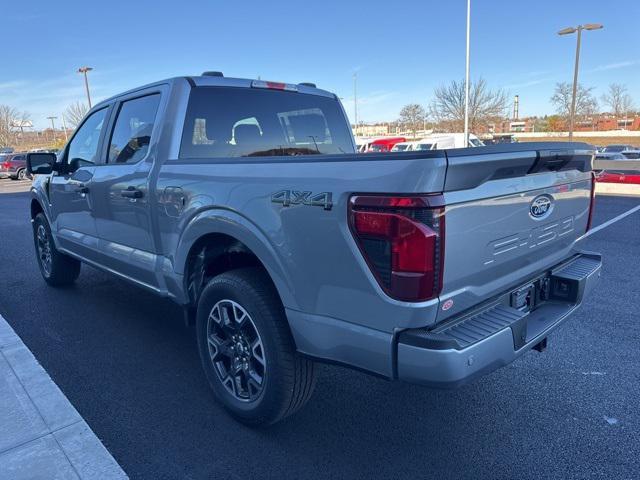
x,y
132,192
81,188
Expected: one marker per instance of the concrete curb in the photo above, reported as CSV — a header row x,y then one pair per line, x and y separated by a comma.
x,y
42,435
623,189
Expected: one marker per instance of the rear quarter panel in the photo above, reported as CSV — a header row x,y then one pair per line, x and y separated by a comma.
x,y
308,250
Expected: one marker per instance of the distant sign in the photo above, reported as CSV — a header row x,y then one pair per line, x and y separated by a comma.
x,y
22,124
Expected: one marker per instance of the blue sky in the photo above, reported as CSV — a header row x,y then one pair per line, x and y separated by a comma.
x,y
401,50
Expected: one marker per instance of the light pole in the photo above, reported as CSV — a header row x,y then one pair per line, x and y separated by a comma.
x,y
84,71
355,99
466,79
569,31
53,127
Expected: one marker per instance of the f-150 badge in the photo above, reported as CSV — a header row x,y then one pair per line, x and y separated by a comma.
x,y
295,197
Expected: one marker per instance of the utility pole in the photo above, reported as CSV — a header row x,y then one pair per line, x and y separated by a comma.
x,y
84,71
569,31
53,127
64,125
466,81
355,99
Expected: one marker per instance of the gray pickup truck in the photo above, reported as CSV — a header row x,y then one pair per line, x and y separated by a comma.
x,y
244,201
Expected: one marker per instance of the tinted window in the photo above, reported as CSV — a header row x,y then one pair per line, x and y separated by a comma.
x,y
84,146
240,122
132,131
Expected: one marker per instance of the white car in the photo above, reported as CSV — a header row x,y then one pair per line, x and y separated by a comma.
x,y
402,147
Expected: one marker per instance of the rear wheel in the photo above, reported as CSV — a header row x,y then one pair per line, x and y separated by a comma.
x,y
22,174
247,350
56,268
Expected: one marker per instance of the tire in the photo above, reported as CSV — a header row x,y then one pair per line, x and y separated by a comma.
x,y
288,379
57,269
22,174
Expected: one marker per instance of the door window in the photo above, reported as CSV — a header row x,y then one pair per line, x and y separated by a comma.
x,y
83,149
132,132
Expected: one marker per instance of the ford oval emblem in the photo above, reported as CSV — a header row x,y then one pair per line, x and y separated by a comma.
x,y
541,206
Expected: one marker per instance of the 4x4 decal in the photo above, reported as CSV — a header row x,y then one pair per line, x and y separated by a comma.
x,y
296,197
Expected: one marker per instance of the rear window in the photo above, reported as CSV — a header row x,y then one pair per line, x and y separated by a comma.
x,y
224,122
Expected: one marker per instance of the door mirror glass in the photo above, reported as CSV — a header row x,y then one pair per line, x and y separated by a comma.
x,y
40,163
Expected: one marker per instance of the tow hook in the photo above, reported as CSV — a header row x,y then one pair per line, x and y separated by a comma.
x,y
540,346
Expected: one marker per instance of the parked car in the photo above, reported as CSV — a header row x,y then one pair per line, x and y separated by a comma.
x,y
13,166
401,147
610,156
617,148
632,154
383,144
453,140
245,202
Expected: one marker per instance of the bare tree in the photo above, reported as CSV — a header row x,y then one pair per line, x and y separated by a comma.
x,y
75,113
617,99
586,104
484,104
412,116
11,120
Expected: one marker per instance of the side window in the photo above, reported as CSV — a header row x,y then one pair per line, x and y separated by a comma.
x,y
132,132
83,148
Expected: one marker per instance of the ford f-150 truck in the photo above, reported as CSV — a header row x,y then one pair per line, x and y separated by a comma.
x,y
245,202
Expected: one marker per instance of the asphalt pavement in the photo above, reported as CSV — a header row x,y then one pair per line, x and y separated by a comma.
x,y
129,366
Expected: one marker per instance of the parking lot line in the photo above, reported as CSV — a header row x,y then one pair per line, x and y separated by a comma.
x,y
612,221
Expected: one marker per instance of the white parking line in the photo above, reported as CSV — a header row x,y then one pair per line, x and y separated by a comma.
x,y
612,221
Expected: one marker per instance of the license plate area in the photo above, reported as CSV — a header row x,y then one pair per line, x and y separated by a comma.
x,y
524,298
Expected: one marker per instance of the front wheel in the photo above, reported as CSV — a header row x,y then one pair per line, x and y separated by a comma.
x,y
56,268
247,350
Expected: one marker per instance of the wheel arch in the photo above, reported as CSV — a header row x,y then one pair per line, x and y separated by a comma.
x,y
36,208
218,241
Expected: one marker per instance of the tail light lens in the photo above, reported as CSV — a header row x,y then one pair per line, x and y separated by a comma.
x,y
402,240
6,165
592,201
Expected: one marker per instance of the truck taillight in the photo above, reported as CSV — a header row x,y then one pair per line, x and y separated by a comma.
x,y
402,241
592,201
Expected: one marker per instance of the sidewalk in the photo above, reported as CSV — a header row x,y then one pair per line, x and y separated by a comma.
x,y
42,436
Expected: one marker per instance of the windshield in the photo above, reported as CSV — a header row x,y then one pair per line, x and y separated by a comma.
x,y
474,142
249,122
423,146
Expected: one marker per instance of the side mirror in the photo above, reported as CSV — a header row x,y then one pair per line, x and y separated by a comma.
x,y
76,163
41,163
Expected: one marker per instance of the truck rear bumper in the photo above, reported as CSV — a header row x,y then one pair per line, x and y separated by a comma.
x,y
496,334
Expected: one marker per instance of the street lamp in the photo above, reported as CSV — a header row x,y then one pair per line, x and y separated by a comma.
x,y
466,79
570,31
355,100
84,71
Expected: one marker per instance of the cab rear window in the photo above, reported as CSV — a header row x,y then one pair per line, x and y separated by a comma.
x,y
223,122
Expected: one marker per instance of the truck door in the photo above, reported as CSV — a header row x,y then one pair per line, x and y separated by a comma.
x,y
71,193
123,217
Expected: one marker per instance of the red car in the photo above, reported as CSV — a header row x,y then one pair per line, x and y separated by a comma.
x,y
382,144
13,166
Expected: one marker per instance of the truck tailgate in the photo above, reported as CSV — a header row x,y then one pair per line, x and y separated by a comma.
x,y
510,216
